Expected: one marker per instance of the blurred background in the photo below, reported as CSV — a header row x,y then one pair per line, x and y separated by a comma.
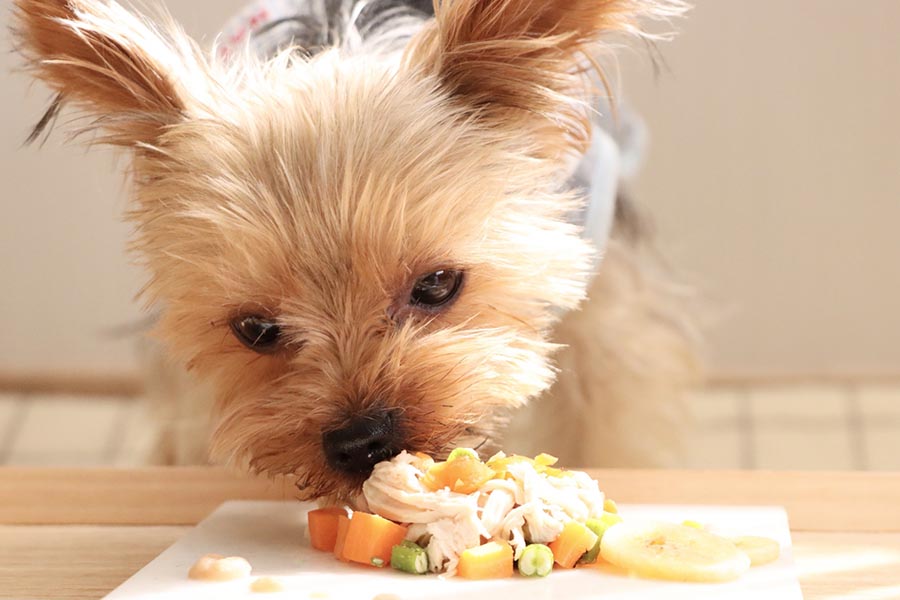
x,y
772,174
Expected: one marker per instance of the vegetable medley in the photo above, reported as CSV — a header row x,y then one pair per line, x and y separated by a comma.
x,y
483,520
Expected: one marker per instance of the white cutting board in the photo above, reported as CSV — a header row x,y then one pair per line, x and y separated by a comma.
x,y
272,536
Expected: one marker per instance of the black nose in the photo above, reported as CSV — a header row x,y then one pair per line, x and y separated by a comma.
x,y
366,441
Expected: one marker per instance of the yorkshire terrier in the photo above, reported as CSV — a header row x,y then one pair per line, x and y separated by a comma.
x,y
371,243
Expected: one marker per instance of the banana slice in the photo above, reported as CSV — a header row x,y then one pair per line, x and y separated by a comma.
x,y
761,550
669,551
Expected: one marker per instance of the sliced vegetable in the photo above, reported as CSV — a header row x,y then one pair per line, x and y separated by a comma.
x,y
488,561
371,537
463,473
343,527
542,463
409,557
610,506
323,527
536,561
545,460
572,543
598,526
463,452
500,462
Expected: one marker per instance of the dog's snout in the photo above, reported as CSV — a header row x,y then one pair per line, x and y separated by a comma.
x,y
367,440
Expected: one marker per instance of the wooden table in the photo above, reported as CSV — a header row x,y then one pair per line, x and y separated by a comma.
x,y
78,533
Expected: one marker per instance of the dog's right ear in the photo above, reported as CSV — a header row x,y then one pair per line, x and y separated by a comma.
x,y
118,68
520,65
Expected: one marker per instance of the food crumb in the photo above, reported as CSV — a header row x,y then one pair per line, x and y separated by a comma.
x,y
386,597
215,567
266,585
318,594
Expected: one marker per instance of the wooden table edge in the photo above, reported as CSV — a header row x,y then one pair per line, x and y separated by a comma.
x,y
815,501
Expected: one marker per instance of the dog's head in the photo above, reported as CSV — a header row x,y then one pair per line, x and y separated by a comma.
x,y
363,251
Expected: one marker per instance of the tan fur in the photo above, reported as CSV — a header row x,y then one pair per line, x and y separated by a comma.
x,y
628,361
523,63
317,191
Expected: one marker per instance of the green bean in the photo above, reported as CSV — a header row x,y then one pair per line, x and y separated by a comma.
x,y
536,561
409,557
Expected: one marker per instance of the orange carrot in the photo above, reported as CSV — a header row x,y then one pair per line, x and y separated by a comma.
x,y
572,543
323,526
371,538
464,474
343,527
487,561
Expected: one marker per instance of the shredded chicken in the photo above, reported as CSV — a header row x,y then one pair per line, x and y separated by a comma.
x,y
526,507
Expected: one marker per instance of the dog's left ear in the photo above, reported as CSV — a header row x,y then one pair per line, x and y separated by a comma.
x,y
522,64
113,65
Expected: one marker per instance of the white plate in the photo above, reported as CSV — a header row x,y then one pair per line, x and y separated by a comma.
x,y
272,536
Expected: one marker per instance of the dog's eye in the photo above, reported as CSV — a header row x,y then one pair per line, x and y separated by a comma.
x,y
260,334
436,289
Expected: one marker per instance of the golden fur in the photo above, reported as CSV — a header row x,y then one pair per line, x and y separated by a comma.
x,y
317,190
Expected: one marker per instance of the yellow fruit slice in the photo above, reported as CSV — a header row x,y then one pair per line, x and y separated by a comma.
x,y
761,550
675,552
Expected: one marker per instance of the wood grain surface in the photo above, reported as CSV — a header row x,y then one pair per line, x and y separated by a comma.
x,y
68,534
816,501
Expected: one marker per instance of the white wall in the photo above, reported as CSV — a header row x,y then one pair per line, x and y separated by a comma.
x,y
773,174
65,280
775,177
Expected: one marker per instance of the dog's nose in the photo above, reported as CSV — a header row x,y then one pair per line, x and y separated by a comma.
x,y
366,441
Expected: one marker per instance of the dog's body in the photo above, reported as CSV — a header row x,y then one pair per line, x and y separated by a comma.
x,y
370,249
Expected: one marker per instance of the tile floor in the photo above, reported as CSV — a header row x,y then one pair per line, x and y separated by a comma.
x,y
72,431
840,426
852,426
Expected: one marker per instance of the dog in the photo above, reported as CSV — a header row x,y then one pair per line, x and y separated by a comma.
x,y
369,246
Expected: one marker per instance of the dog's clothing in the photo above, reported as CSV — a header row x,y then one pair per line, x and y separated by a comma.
x,y
311,25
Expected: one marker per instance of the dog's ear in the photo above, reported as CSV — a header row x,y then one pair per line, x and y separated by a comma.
x,y
522,64
111,64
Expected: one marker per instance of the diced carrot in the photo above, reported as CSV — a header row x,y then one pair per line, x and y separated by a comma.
x,y
572,543
323,527
343,528
464,474
488,561
371,538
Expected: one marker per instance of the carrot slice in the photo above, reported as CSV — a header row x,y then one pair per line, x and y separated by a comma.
x,y
572,543
323,527
493,560
371,538
343,528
